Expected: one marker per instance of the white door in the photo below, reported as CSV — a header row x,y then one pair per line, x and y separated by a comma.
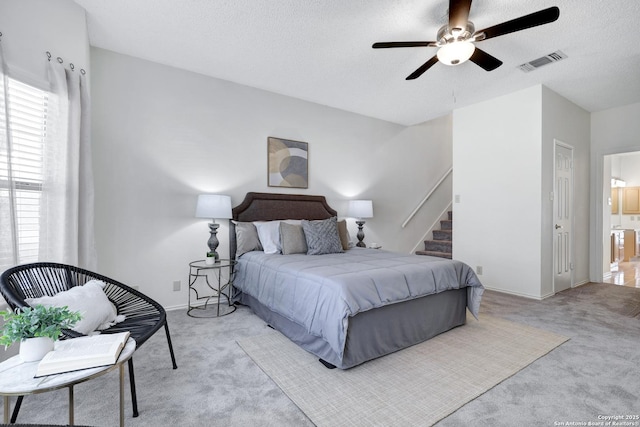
x,y
563,217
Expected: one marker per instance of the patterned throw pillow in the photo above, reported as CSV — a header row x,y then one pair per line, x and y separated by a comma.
x,y
322,236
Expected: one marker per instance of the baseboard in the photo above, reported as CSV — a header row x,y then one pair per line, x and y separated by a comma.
x,y
176,307
535,297
186,306
517,294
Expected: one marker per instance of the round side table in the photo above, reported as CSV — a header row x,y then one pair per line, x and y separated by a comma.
x,y
207,296
17,379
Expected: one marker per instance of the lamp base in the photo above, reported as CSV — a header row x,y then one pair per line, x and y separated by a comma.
x,y
213,241
360,234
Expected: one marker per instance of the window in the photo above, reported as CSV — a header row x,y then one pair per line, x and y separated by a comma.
x,y
23,166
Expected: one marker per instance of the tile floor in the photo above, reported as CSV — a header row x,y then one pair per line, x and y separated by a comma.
x,y
626,274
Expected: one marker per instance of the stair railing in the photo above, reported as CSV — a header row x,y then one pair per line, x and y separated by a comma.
x,y
435,187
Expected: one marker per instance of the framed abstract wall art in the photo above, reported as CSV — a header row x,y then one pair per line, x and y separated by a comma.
x,y
287,163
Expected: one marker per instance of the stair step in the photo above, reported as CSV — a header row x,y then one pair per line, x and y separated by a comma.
x,y
442,234
435,253
438,245
441,246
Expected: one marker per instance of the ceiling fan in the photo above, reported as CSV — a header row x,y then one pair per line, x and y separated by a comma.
x,y
456,39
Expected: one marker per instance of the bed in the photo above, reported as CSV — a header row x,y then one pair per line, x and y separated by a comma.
x,y
347,307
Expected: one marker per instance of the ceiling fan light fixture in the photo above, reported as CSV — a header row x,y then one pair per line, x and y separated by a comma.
x,y
456,53
456,38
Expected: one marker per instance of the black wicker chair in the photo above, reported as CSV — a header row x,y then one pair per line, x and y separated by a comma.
x,y
144,316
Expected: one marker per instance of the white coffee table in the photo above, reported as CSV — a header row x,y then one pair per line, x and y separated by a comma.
x,y
16,379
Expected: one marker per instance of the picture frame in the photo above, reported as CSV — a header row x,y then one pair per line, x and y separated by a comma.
x,y
287,163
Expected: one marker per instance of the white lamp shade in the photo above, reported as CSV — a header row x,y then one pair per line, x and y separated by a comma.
x,y
213,206
455,53
360,209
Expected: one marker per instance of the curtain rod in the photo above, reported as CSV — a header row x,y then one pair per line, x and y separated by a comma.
x,y
71,66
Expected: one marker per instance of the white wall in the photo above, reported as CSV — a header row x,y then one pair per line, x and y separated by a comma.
x,y
497,158
613,131
630,168
163,135
503,157
566,122
32,28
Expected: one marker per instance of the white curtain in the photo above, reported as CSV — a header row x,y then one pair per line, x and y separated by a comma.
x,y
8,229
67,201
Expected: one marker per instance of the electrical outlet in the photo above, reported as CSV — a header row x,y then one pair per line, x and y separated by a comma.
x,y
457,198
479,270
176,285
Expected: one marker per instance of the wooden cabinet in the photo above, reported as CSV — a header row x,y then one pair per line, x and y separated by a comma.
x,y
630,200
615,199
617,246
631,242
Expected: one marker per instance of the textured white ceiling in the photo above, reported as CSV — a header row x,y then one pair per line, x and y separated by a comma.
x,y
320,50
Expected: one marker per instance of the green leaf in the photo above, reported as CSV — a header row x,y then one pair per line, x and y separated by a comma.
x,y
37,321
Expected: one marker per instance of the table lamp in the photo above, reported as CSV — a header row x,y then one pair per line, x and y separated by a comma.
x,y
213,206
360,209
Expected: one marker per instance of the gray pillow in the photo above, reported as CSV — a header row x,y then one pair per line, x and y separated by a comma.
x,y
292,239
246,238
345,240
322,236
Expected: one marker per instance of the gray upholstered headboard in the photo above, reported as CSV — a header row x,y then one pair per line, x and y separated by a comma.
x,y
274,206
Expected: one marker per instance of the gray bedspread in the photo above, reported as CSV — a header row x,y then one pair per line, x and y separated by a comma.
x,y
321,292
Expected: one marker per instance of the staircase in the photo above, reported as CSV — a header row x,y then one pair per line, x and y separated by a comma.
x,y
440,246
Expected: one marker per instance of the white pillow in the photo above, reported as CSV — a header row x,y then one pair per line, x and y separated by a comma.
x,y
269,235
97,311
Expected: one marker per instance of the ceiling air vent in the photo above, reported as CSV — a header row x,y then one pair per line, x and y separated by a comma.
x,y
537,63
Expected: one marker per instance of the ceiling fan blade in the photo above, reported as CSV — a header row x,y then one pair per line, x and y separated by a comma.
x,y
459,13
541,17
484,60
384,45
424,67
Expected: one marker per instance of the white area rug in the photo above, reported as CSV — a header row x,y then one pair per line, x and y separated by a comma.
x,y
416,386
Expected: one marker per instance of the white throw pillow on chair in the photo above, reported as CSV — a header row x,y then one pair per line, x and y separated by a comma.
x,y
90,301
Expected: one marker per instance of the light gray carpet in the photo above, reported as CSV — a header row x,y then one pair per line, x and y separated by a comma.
x,y
217,384
416,386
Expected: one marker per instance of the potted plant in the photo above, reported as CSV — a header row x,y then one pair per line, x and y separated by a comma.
x,y
36,328
211,258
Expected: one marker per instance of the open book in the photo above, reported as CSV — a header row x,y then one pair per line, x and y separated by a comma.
x,y
82,353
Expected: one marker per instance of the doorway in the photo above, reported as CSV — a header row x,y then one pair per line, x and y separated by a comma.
x,y
620,244
563,217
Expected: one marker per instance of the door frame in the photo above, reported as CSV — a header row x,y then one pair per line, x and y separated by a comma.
x,y
556,143
598,203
